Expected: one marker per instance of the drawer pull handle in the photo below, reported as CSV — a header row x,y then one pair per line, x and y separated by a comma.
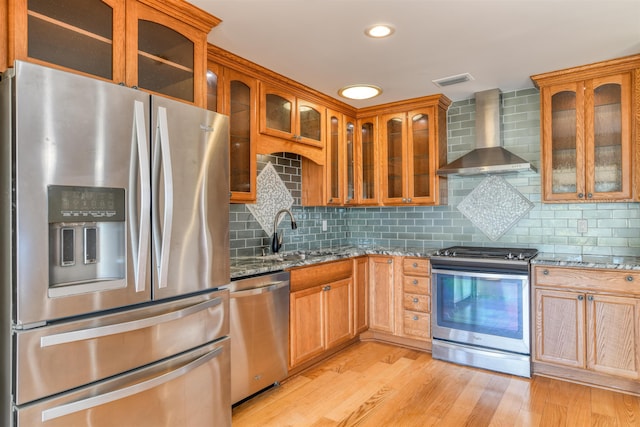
x,y
545,272
415,282
415,317
416,300
629,278
415,265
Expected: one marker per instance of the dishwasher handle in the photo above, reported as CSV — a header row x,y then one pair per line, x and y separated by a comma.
x,y
271,287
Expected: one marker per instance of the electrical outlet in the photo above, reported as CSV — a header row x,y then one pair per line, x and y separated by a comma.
x,y
582,226
324,225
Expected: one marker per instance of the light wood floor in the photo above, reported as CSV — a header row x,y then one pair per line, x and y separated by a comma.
x,y
374,384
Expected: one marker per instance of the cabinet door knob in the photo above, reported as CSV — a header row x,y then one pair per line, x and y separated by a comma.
x,y
580,297
629,278
545,272
589,195
326,288
415,317
389,261
415,300
409,200
590,298
580,195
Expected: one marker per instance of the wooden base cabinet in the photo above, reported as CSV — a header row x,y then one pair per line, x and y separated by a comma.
x,y
400,301
321,310
588,321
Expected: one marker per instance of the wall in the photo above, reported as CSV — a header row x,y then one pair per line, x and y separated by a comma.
x,y
613,228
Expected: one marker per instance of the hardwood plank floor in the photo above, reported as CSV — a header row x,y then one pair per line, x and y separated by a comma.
x,y
376,384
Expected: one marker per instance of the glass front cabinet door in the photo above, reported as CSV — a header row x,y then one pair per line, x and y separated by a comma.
x,y
408,143
367,168
84,36
587,140
285,116
588,116
241,97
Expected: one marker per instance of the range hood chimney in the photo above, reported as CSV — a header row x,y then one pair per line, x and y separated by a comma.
x,y
488,156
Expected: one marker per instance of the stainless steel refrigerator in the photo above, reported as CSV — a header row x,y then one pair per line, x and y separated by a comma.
x,y
115,241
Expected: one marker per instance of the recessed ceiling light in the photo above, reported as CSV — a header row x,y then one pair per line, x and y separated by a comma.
x,y
379,30
360,91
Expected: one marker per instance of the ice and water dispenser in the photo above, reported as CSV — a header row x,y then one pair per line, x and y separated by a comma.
x,y
86,239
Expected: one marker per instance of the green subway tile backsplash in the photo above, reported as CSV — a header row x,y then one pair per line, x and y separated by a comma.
x,y
612,228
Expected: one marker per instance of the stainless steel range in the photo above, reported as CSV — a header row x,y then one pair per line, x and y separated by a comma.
x,y
481,313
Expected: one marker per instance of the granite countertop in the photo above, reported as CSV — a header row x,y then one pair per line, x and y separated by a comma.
x,y
588,261
254,265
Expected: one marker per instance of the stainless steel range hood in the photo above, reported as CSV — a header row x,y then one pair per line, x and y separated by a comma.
x,y
489,156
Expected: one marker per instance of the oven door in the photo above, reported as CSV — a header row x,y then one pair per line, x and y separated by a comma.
x,y
484,309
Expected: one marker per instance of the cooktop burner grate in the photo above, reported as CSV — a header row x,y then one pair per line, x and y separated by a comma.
x,y
478,252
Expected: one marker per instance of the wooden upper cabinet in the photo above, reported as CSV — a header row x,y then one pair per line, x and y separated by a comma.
x,y
159,46
85,36
286,116
240,103
340,136
167,48
408,157
367,162
587,118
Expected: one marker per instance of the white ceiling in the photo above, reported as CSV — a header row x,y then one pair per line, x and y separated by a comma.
x,y
321,43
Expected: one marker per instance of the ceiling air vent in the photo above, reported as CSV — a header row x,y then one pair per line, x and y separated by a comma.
x,y
453,80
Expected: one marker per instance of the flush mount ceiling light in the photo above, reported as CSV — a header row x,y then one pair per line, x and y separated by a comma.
x,y
379,31
360,91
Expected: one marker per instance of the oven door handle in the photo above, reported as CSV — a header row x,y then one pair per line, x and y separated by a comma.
x,y
484,275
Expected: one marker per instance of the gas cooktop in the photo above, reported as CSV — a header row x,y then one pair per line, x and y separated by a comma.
x,y
487,253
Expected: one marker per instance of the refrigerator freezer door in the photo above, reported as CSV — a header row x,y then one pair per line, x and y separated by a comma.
x,y
56,358
190,187
76,132
191,390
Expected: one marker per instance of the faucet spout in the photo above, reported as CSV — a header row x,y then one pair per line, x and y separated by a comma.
x,y
276,243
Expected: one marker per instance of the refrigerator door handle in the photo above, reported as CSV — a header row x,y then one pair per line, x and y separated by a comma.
x,y
139,225
112,396
119,328
162,235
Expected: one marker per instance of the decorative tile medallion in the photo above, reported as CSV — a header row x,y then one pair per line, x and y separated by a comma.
x,y
272,196
494,206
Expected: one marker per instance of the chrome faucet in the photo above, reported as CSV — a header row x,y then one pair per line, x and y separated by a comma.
x,y
276,242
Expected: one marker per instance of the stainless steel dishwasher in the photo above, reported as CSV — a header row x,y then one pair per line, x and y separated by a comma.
x,y
259,318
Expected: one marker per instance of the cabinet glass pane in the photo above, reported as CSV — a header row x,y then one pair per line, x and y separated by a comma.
x,y
563,145
350,158
165,61
334,145
212,91
310,123
76,34
368,166
278,112
420,138
240,136
608,138
394,157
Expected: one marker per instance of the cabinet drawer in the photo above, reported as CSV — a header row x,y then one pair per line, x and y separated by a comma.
x,y
417,302
319,274
416,285
625,282
416,266
416,324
